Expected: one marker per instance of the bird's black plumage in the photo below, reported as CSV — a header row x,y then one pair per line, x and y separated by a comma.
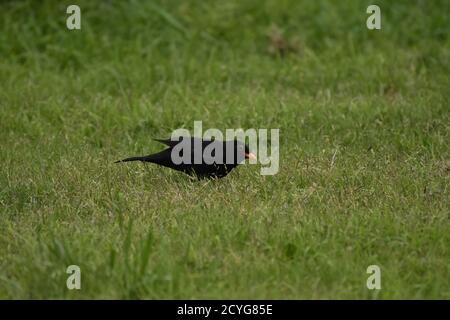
x,y
204,158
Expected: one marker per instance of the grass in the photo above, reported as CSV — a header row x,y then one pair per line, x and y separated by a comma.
x,y
377,102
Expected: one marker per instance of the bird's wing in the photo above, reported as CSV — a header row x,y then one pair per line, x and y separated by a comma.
x,y
171,143
168,142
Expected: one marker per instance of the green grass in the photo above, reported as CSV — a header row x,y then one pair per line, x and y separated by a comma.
x,y
72,102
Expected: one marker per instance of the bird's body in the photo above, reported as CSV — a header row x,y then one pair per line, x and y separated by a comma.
x,y
201,158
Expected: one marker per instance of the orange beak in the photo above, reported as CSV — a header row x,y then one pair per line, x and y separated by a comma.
x,y
250,156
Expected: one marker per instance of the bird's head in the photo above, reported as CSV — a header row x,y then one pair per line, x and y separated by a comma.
x,y
243,151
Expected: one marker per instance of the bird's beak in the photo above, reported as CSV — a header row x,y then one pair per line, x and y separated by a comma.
x,y
250,156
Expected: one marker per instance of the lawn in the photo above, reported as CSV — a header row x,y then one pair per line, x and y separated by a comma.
x,y
364,119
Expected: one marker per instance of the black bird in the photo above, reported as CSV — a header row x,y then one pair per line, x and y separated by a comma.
x,y
204,158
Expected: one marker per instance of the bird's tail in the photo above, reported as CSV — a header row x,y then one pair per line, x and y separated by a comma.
x,y
145,158
155,158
